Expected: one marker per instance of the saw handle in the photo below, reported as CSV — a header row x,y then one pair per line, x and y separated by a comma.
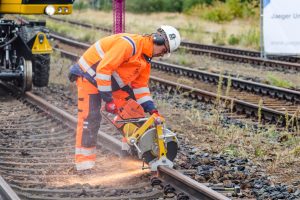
x,y
132,141
136,146
131,120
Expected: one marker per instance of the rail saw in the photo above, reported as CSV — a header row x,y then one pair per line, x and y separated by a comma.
x,y
147,137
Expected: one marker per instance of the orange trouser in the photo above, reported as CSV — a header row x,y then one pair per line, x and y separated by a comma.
x,y
89,117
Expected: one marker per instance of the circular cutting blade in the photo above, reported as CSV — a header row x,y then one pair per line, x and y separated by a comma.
x,y
148,145
172,148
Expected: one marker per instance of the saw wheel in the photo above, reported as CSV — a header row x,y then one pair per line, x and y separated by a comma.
x,y
148,145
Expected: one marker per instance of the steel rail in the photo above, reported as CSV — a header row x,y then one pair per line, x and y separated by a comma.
x,y
230,50
188,186
239,105
6,193
274,64
72,121
221,49
184,183
258,88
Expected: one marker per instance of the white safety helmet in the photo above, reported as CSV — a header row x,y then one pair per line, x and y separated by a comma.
x,y
172,36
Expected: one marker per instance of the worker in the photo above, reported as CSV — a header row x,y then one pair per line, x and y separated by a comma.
x,y
118,64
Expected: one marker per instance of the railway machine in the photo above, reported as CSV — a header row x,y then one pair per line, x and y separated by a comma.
x,y
24,47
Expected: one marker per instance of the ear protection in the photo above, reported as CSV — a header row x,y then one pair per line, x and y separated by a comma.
x,y
158,39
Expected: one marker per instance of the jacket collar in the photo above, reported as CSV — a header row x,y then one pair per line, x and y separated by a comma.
x,y
148,47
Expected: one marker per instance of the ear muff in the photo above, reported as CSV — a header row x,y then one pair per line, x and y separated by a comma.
x,y
158,39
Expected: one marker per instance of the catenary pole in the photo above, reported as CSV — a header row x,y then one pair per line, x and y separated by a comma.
x,y
119,16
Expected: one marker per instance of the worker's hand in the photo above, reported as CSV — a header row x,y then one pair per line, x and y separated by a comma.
x,y
111,107
154,111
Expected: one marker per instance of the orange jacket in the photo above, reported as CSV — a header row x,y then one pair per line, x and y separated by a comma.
x,y
120,56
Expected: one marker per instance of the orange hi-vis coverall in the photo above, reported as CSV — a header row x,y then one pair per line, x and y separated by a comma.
x,y
114,63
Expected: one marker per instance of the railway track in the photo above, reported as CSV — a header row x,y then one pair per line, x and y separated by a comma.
x,y
279,63
36,160
277,105
188,171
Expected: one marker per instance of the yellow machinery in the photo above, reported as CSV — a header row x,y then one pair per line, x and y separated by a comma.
x,y
24,47
148,137
36,6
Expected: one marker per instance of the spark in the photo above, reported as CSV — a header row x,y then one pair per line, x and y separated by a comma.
x,y
107,173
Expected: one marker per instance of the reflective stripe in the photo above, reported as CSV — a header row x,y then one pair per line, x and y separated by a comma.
x,y
104,88
118,79
144,99
85,165
85,152
131,42
99,49
85,127
141,90
104,77
87,68
91,72
85,122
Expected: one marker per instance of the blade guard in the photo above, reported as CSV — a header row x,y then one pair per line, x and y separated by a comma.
x,y
130,109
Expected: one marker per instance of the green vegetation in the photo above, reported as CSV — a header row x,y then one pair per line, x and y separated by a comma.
x,y
276,81
95,4
219,37
212,10
225,13
232,150
249,39
143,6
183,58
79,33
220,11
81,5
233,40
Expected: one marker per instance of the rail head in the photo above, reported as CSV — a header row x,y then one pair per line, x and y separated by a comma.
x,y
106,140
6,192
194,189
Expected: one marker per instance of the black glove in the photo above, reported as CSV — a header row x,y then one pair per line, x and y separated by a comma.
x,y
72,77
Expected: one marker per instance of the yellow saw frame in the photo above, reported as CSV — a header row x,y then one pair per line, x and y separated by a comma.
x,y
133,135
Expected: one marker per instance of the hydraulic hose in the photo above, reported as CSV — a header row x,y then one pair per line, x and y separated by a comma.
x,y
10,41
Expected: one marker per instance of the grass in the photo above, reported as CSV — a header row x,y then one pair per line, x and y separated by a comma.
x,y
219,38
182,58
296,151
233,40
221,12
250,39
276,81
232,150
219,90
78,32
259,114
